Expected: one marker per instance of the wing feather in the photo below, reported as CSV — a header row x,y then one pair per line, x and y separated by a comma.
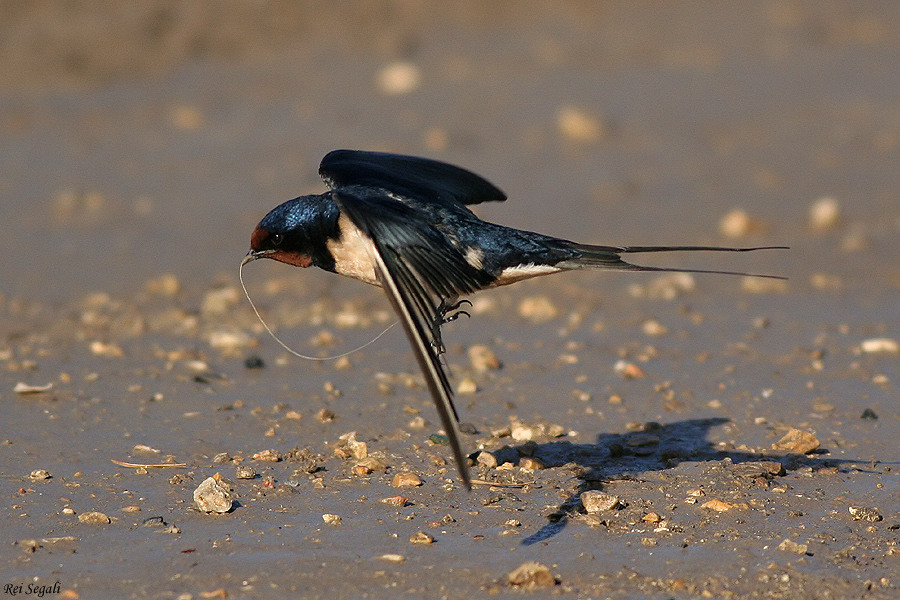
x,y
417,267
408,176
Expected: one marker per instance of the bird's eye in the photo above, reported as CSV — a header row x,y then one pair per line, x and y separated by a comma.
x,y
276,239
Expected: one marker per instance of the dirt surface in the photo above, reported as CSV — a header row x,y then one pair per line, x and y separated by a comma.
x,y
140,143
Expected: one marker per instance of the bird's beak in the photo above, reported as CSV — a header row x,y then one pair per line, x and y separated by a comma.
x,y
254,254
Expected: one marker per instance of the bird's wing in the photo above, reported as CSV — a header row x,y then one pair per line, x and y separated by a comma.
x,y
408,176
417,267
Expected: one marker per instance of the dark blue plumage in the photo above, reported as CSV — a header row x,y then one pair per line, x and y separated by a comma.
x,y
403,223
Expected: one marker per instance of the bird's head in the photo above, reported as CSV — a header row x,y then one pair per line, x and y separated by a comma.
x,y
296,232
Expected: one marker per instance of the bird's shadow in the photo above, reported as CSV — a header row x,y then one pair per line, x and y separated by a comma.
x,y
655,447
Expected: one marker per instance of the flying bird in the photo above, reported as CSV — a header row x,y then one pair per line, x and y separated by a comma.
x,y
403,223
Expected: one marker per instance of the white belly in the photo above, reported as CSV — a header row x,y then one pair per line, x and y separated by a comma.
x,y
518,273
353,253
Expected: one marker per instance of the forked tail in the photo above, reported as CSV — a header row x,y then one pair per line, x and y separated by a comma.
x,y
608,257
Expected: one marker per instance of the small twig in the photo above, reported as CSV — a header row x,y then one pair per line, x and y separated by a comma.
x,y
499,484
146,466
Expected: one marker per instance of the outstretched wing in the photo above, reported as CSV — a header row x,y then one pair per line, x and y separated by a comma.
x,y
417,267
409,176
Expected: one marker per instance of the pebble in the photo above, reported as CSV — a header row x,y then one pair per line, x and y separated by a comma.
x,y
531,463
468,428
826,282
486,459
398,78
230,340
368,465
355,448
332,390
421,537
824,214
793,547
394,558
797,441
736,223
24,388
153,522
331,519
417,423
164,285
245,472
106,349
323,338
219,301
94,517
348,318
880,345
722,506
467,386
254,362
406,479
568,359
197,366
869,415
267,456
395,500
483,358
760,468
501,432
577,125
666,287
439,439
214,494
628,370
521,432
594,501
653,328
582,396
864,513
537,309
325,416
531,575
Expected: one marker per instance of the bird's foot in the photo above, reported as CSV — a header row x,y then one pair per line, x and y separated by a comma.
x,y
452,312
446,313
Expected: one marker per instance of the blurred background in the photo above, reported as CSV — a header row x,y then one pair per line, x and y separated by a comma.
x,y
140,142
140,139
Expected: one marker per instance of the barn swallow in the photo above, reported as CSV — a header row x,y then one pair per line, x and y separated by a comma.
x,y
403,223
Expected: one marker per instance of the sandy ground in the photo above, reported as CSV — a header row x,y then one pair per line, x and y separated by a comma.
x,y
140,143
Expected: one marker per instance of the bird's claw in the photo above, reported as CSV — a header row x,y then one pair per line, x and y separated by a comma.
x,y
446,314
452,312
455,316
